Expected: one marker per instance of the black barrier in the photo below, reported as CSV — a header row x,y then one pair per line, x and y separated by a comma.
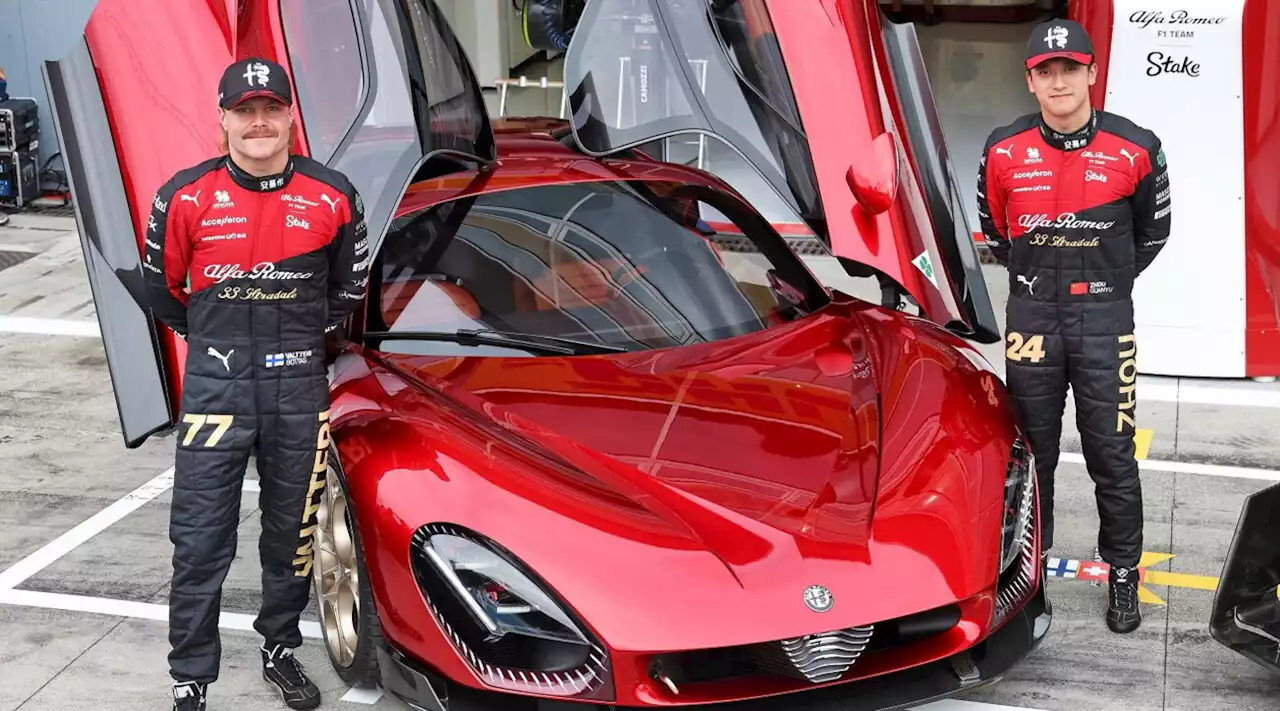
x,y
1246,610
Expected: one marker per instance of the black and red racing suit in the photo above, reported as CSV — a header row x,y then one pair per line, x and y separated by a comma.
x,y
252,271
1076,218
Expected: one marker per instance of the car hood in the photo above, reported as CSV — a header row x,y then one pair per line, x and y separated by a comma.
x,y
738,444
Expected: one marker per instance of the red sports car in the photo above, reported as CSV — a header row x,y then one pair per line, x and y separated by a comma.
x,y
600,435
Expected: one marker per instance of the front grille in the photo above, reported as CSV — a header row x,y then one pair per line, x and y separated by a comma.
x,y
817,657
805,660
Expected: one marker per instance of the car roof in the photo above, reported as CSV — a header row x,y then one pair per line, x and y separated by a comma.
x,y
540,151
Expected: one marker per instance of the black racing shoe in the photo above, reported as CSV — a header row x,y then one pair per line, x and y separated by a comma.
x,y
1122,613
281,668
189,696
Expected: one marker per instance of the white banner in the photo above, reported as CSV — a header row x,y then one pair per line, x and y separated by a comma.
x,y
1176,68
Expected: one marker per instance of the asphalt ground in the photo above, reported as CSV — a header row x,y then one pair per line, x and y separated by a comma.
x,y
84,559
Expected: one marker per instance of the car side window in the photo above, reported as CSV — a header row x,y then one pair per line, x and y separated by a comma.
x,y
632,265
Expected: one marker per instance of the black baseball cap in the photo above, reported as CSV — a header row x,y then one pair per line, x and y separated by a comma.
x,y
252,77
1059,38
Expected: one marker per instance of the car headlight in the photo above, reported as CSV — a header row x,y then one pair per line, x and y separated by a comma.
x,y
503,600
502,620
1019,490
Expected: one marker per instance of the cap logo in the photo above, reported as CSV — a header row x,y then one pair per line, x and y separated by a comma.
x,y
1057,36
258,72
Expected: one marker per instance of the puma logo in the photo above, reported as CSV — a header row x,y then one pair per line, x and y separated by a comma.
x,y
333,204
1031,285
191,198
1125,152
1006,151
226,359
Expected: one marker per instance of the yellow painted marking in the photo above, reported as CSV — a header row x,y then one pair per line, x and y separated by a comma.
x,y
1145,595
1182,580
1142,442
1149,559
1167,579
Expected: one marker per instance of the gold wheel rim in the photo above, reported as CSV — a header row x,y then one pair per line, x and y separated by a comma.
x,y
336,575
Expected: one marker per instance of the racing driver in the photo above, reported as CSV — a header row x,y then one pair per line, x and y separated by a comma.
x,y
252,257
1075,202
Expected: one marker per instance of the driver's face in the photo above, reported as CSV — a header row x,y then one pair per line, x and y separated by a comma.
x,y
1061,85
258,128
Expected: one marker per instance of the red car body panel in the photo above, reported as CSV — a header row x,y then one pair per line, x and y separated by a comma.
x,y
1262,184
675,500
800,486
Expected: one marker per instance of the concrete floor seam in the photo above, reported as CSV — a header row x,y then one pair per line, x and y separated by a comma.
x,y
1177,419
69,664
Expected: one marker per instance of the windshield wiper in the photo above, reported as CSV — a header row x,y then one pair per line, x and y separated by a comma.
x,y
489,337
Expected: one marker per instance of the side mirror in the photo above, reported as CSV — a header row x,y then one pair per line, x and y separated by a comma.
x,y
873,178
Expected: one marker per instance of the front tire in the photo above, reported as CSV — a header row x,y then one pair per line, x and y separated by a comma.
x,y
348,618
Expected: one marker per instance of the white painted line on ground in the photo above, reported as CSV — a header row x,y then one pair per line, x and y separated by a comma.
x,y
83,603
361,695
1221,470
128,608
1248,394
91,527
49,326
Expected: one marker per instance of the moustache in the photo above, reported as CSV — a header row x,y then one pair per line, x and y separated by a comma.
x,y
260,134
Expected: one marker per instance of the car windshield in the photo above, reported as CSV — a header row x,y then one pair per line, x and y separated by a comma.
x,y
643,70
606,265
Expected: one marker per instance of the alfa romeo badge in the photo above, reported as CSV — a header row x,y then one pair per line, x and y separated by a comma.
x,y
818,598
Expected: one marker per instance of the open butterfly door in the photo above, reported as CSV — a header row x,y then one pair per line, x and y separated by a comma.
x,y
381,85
835,116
